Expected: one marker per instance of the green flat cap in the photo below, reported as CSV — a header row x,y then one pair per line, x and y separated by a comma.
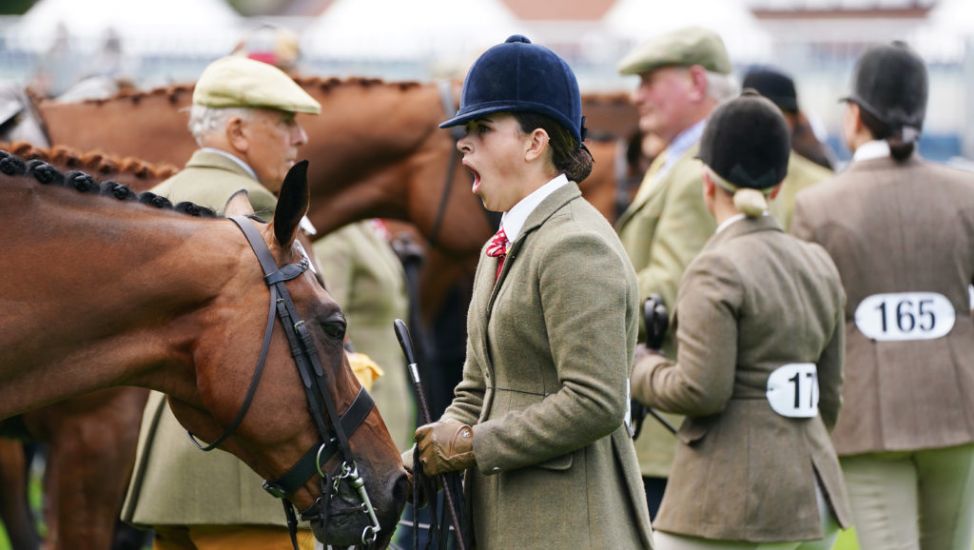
x,y
236,81
680,48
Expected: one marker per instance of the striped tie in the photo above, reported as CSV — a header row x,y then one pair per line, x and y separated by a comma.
x,y
497,248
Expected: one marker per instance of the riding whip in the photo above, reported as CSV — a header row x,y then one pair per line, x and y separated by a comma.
x,y
406,343
657,322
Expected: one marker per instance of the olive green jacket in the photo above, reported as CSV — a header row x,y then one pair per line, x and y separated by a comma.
x,y
754,300
549,351
365,277
662,230
174,483
802,174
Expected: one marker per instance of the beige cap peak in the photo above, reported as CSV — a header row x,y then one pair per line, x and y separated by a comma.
x,y
236,81
679,48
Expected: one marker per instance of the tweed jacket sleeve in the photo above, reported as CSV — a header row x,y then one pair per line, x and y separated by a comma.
x,y
468,396
584,294
701,381
830,374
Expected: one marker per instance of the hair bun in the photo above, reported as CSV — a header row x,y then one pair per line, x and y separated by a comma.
x,y
750,202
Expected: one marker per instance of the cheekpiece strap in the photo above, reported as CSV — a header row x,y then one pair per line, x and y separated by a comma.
x,y
318,455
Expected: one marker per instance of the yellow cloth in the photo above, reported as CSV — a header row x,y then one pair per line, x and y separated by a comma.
x,y
219,537
364,369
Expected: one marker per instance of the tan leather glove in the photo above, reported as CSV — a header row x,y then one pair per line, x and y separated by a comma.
x,y
445,446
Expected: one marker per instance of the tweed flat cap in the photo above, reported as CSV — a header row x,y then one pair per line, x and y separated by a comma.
x,y
240,82
680,48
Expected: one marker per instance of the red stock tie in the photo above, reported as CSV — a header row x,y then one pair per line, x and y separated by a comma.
x,y
497,248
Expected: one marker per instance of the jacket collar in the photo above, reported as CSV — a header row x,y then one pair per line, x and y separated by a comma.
x,y
209,159
744,227
551,204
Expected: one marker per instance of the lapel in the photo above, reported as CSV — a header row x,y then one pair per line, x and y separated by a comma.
x,y
485,286
653,185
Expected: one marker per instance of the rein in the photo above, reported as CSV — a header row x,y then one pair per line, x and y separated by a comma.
x,y
335,432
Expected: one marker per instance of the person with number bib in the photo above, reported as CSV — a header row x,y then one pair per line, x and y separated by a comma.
x,y
537,422
901,232
760,325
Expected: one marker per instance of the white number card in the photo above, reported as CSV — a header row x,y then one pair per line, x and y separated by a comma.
x,y
905,316
793,390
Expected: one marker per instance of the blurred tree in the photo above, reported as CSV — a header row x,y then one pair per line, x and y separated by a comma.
x,y
15,7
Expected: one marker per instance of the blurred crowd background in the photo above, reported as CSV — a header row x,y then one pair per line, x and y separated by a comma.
x,y
52,44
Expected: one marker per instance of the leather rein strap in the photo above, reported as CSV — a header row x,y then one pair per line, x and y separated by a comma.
x,y
315,380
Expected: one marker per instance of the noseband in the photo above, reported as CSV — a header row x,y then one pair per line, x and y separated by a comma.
x,y
333,433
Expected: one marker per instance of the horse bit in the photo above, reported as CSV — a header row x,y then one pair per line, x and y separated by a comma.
x,y
334,438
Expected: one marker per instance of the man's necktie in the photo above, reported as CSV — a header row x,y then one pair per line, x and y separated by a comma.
x,y
497,248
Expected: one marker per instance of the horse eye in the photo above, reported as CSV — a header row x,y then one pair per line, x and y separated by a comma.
x,y
335,327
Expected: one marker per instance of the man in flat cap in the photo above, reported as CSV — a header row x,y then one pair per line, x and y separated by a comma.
x,y
684,75
244,119
807,153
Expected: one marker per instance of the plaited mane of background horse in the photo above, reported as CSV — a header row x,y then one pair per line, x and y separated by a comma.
x,y
377,152
376,149
91,439
102,292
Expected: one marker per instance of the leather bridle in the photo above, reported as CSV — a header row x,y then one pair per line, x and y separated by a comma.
x,y
334,432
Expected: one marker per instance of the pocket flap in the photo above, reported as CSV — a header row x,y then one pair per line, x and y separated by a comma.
x,y
693,429
559,463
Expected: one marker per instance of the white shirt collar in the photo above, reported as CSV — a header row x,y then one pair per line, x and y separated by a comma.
x,y
726,223
513,220
730,221
246,167
683,141
875,149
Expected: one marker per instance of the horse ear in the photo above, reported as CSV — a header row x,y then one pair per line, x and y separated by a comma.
x,y
238,205
292,204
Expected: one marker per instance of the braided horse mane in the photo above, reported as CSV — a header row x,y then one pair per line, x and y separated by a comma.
x,y
47,174
135,173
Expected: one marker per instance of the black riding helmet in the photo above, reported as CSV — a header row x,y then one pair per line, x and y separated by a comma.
x,y
746,142
890,83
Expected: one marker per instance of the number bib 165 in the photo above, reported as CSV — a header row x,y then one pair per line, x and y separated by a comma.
x,y
793,390
905,316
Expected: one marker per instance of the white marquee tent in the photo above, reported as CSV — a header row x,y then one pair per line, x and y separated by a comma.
x,y
143,26
429,30
639,20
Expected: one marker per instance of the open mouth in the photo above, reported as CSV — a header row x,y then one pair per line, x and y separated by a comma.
x,y
474,175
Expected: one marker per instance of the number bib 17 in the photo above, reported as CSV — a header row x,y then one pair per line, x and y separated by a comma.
x,y
793,390
905,316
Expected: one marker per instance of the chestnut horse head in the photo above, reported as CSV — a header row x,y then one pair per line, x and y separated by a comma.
x,y
101,292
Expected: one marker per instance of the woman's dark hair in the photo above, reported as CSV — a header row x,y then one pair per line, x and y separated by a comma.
x,y
566,153
899,148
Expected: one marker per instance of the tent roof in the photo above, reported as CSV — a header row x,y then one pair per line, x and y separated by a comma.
x,y
142,25
639,20
417,29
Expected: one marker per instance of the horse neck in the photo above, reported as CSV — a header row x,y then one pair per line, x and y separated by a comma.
x,y
364,146
127,125
99,293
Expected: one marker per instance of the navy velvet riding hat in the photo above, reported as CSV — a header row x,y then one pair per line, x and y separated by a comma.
x,y
518,76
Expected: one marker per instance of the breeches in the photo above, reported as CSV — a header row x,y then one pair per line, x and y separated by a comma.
x,y
228,537
668,541
913,500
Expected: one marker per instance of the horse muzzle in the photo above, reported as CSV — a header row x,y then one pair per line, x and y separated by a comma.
x,y
344,519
